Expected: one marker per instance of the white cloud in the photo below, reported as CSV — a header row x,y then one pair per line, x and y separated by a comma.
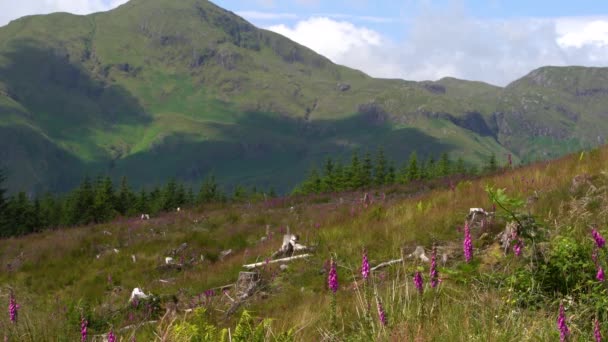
x,y
256,15
334,39
578,32
443,43
11,9
363,18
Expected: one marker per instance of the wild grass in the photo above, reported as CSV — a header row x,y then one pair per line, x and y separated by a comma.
x,y
57,276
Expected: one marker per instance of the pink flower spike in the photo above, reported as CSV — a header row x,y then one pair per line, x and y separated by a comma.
x,y
83,329
467,244
381,313
365,266
564,332
332,279
418,282
599,239
13,308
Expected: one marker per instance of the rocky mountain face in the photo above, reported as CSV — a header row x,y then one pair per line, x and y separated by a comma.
x,y
156,89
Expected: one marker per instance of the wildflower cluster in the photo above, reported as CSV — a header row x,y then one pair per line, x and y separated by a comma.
x,y
365,266
13,308
418,282
564,332
467,244
83,329
600,242
433,274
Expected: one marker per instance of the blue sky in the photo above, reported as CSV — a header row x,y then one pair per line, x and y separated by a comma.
x,y
495,41
394,15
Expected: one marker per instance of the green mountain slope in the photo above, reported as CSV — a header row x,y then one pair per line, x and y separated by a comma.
x,y
158,88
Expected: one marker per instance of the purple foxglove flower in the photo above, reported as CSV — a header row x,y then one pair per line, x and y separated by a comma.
x,y
600,274
83,329
599,239
13,308
332,279
597,333
517,247
561,324
418,282
433,274
111,336
381,313
365,266
467,244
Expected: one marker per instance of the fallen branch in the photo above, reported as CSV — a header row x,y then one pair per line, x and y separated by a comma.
x,y
222,287
258,264
387,263
133,326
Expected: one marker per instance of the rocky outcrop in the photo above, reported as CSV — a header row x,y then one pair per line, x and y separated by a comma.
x,y
373,113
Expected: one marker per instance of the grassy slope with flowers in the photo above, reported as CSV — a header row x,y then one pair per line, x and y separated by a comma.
x,y
56,275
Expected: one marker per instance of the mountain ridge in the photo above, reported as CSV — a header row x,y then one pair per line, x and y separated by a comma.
x,y
157,89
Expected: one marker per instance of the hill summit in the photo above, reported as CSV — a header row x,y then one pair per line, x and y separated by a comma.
x,y
158,89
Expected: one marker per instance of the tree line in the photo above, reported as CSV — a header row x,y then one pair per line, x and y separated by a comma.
x,y
368,171
99,201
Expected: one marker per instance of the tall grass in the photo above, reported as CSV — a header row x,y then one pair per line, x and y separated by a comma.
x,y
57,275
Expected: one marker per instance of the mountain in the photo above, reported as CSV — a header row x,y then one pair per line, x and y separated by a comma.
x,y
156,89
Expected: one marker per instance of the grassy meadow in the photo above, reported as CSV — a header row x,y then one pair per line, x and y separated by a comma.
x,y
58,277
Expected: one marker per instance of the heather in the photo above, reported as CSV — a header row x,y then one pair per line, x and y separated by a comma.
x,y
556,213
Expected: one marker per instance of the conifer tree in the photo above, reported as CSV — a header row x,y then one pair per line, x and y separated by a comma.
x,y
312,183
390,175
444,167
491,165
209,191
142,205
125,199
51,211
190,199
423,171
367,167
431,168
354,173
402,174
19,215
240,193
80,204
328,181
380,169
170,196
180,196
104,201
156,200
36,218
413,170
460,168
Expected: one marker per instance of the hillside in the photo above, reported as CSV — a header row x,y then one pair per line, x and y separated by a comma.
x,y
59,276
157,89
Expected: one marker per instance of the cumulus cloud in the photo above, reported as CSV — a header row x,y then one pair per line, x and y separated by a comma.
x,y
11,9
443,43
257,15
